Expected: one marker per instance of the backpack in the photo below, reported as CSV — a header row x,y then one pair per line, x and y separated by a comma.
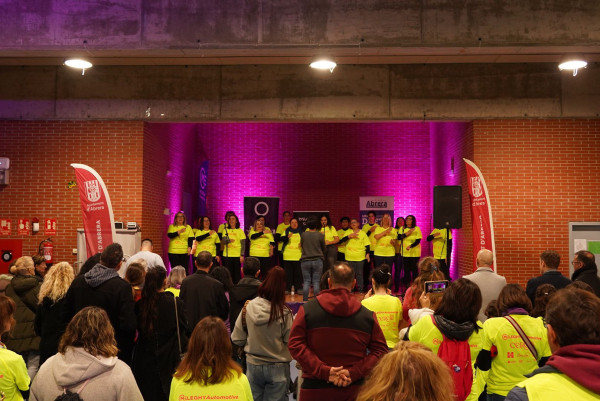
x,y
457,355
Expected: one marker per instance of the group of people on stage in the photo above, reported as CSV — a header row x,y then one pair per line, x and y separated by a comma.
x,y
363,248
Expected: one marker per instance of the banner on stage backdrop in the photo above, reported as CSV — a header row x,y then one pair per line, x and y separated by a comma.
x,y
304,215
379,204
255,206
481,212
98,219
202,188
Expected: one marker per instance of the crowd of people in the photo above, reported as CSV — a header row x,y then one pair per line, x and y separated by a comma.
x,y
131,330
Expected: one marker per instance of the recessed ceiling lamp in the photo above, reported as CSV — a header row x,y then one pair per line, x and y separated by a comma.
x,y
79,64
573,63
323,64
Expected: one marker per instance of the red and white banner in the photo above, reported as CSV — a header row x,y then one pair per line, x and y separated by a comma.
x,y
24,227
98,219
481,212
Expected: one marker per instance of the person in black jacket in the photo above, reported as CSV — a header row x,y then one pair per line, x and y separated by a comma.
x,y
203,295
48,322
103,287
549,262
246,289
586,270
157,351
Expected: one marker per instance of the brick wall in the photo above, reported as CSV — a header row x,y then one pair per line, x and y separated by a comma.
x,y
41,152
541,174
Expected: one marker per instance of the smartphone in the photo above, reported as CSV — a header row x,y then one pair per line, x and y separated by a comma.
x,y
436,286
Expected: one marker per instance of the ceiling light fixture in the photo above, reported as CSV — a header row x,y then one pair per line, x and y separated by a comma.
x,y
323,64
572,64
79,64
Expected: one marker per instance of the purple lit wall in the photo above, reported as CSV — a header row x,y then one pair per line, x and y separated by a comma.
x,y
310,166
447,168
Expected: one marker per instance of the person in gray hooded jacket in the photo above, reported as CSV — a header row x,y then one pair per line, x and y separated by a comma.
x,y
103,287
86,363
264,330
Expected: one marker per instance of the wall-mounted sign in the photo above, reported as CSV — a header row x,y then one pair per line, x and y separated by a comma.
x,y
24,227
50,227
4,226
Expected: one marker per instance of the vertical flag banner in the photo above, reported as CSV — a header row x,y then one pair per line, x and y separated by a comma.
x,y
481,213
98,219
202,188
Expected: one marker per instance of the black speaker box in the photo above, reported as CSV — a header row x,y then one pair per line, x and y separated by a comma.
x,y
447,206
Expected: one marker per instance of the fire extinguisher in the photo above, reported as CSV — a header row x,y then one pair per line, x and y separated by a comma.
x,y
45,249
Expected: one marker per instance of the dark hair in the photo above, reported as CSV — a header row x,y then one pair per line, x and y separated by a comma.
x,y
542,295
222,274
251,266
273,290
461,302
38,259
286,211
573,315
229,212
551,259
91,262
312,223
184,218
345,218
586,257
135,274
202,223
203,260
371,212
147,240
403,221
237,222
581,285
148,310
513,296
208,360
491,309
414,221
382,276
327,217
112,256
342,274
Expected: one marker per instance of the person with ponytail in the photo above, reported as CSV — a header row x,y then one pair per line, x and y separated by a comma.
x,y
292,252
388,308
264,330
157,352
429,270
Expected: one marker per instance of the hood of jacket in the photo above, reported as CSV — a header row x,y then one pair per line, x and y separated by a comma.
x,y
580,362
260,310
339,302
76,366
245,289
24,284
453,330
99,274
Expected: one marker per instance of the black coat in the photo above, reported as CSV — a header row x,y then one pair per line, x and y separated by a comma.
x,y
156,354
245,290
589,275
50,326
24,291
553,277
115,297
203,296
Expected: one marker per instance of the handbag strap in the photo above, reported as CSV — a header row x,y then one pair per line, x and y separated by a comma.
x,y
244,324
524,337
177,322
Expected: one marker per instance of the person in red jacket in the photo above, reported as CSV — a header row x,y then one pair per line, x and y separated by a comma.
x,y
336,340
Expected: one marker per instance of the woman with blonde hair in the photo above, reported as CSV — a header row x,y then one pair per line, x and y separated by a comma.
x,y
410,372
207,369
86,363
175,279
49,324
15,381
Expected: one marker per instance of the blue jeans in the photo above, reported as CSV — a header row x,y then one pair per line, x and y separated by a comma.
x,y
358,273
311,272
269,382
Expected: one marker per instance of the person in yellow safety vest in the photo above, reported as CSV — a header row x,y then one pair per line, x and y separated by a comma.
x,y
573,370
279,232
